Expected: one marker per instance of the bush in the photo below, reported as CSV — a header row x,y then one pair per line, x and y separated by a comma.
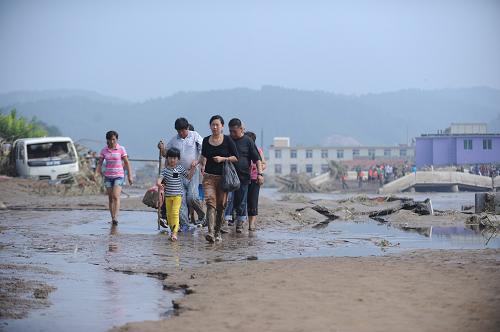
x,y
12,127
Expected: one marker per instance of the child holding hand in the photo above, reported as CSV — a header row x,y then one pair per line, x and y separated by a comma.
x,y
171,181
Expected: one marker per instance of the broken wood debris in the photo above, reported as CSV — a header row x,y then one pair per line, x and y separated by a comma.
x,y
296,183
421,208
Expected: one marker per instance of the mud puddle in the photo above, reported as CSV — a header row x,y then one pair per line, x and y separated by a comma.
x,y
77,247
89,298
136,241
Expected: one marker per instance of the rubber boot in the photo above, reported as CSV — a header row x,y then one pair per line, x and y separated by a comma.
x,y
211,224
219,221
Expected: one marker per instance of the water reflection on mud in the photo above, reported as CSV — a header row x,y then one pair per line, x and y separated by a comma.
x,y
89,294
136,241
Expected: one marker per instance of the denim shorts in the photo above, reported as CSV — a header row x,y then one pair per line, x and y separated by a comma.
x,y
111,182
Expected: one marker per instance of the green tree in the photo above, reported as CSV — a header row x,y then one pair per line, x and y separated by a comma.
x,y
13,127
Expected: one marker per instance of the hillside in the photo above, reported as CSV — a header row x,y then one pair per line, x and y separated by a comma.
x,y
308,117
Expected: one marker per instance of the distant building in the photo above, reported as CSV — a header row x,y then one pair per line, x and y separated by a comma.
x,y
467,128
460,144
285,159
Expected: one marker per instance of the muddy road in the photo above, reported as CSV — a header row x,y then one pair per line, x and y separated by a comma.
x,y
63,265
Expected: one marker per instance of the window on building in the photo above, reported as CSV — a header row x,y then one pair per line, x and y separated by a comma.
x,y
309,153
277,169
467,144
277,154
309,168
355,153
324,153
402,152
387,152
293,168
487,145
340,154
371,153
293,153
325,168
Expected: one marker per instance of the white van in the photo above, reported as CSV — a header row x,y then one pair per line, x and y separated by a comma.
x,y
45,158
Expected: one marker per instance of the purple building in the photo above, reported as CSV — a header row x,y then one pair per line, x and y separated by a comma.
x,y
461,144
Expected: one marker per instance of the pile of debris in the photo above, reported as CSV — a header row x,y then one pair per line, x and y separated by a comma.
x,y
485,220
301,182
296,183
84,182
487,202
81,183
420,208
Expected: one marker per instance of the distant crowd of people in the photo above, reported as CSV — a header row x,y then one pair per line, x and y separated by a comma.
x,y
489,170
381,173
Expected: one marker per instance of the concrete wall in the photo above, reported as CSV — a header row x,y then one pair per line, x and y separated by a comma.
x,y
478,155
443,151
449,150
440,179
423,151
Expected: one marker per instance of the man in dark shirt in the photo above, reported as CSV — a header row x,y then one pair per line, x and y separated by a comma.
x,y
247,152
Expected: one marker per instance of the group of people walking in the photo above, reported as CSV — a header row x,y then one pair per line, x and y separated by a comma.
x,y
188,157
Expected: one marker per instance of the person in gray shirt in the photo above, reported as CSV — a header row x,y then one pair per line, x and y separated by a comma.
x,y
189,144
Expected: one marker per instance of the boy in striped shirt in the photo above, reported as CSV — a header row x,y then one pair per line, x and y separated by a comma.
x,y
171,181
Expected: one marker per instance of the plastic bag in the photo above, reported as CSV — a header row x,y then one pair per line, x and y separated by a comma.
x,y
230,180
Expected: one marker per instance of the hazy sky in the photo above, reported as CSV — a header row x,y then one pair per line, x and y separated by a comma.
x,y
143,49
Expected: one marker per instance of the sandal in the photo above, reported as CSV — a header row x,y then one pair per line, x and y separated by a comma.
x,y
163,223
173,237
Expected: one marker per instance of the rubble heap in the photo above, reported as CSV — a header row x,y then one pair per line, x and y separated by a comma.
x,y
296,183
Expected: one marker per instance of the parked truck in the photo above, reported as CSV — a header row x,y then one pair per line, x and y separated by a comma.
x,y
45,158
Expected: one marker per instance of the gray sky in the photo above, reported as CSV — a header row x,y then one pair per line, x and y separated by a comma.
x,y
144,49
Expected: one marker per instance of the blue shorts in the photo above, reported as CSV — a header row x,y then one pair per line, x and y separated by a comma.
x,y
112,182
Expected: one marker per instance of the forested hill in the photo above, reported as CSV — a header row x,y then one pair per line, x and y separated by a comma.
x,y
308,117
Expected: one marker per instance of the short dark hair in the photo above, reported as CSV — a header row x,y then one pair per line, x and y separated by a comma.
x,y
181,123
174,152
251,135
111,133
190,127
235,122
216,117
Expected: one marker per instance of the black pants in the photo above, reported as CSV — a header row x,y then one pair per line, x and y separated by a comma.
x,y
253,198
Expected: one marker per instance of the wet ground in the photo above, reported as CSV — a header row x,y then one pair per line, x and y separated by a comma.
x,y
92,260
89,295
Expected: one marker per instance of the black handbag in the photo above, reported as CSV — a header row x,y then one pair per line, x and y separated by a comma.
x,y
230,179
151,197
